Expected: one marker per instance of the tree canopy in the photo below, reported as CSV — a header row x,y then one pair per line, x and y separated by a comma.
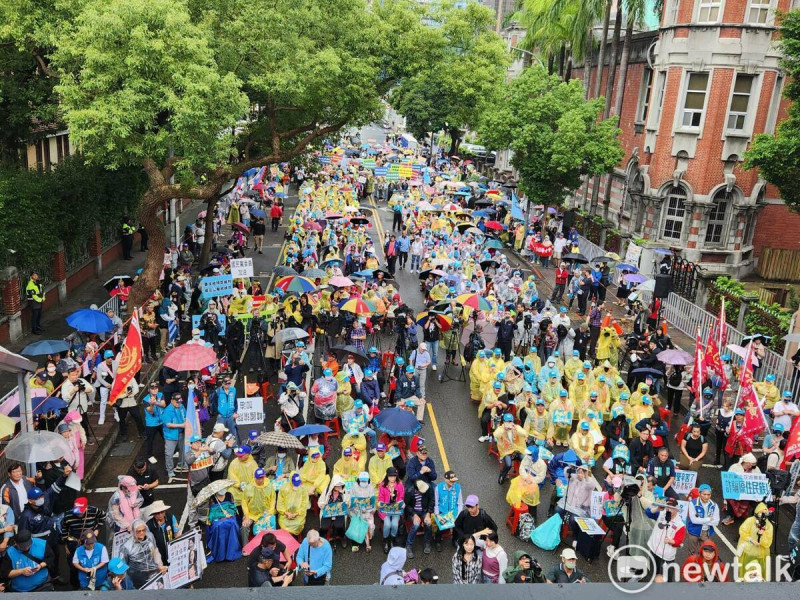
x,y
466,69
555,134
778,156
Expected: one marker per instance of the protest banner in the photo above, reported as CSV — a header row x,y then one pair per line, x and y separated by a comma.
x,y
443,521
221,319
157,582
120,537
241,268
596,507
590,527
334,509
250,411
684,481
217,285
186,559
391,508
363,504
745,486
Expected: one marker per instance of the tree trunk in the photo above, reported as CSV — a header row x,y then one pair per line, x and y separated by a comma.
x,y
568,69
562,54
455,140
211,207
602,58
154,261
612,67
551,59
587,64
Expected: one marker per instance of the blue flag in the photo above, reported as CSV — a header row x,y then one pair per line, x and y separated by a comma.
x,y
192,420
172,330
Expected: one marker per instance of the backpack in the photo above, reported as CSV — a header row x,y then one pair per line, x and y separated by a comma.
x,y
525,526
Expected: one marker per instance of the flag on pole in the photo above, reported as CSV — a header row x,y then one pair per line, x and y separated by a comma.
x,y
697,370
130,360
717,340
172,330
740,439
793,443
192,420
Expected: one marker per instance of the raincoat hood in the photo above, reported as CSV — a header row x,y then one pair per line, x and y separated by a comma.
x,y
392,569
761,508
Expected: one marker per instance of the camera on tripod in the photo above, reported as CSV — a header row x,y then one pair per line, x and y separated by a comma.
x,y
527,321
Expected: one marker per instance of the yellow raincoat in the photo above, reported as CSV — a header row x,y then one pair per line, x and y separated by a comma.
x,y
241,471
509,444
377,468
561,414
571,368
536,423
347,468
608,346
292,501
479,378
753,544
314,476
357,442
259,500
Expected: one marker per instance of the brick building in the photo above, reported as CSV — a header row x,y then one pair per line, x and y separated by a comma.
x,y
699,87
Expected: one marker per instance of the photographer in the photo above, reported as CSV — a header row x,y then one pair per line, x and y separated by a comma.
x,y
77,392
524,569
667,536
755,539
128,406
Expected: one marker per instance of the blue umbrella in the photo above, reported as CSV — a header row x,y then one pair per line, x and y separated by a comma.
x,y
258,213
366,273
280,195
41,406
332,262
481,213
626,267
493,243
461,193
250,172
90,321
45,347
309,430
396,422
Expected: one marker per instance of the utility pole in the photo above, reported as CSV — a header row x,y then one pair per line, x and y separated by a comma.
x,y
499,23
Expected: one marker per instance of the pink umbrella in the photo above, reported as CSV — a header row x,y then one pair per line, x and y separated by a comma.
x,y
313,225
675,357
428,189
284,536
10,404
190,357
415,182
742,353
201,214
339,281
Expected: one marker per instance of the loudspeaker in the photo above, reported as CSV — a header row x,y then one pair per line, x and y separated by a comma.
x,y
663,286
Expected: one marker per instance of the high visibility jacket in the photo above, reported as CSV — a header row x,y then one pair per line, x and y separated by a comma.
x,y
34,291
128,229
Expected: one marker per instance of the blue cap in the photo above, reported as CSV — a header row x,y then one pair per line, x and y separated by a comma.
x,y
584,426
497,385
553,373
327,372
770,377
259,473
532,350
358,403
35,493
373,350
704,488
556,353
409,368
368,373
646,400
497,352
481,353
563,309
399,361
501,376
563,393
778,427
580,375
381,447
108,354
195,438
708,391
347,451
575,353
540,401
624,396
601,378
587,364
296,481
725,357
117,566
739,411
593,394
252,434
508,418
242,450
787,393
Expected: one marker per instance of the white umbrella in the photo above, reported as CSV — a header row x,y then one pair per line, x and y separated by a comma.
x,y
742,353
289,334
792,337
646,286
37,446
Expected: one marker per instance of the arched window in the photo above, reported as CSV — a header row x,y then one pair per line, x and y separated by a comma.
x,y
675,213
715,229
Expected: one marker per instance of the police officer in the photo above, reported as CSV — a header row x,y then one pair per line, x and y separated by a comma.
x,y
128,231
34,293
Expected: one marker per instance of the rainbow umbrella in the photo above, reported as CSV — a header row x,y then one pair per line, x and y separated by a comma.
x,y
474,301
357,306
295,284
444,322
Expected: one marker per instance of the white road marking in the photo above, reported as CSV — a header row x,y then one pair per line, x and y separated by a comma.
x,y
163,486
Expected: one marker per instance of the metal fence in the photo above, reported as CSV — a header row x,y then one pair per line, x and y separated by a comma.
x,y
45,277
687,317
110,234
76,257
589,249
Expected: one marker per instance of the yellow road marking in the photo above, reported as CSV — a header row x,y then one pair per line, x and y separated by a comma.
x,y
377,221
438,435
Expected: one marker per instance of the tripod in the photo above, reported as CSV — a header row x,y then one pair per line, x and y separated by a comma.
x,y
461,375
528,339
85,420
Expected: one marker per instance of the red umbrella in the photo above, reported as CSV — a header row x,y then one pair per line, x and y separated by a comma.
x,y
190,357
494,225
493,191
313,225
242,227
284,536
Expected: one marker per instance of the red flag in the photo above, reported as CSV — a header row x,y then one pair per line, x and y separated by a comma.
x,y
697,370
130,360
793,443
754,420
717,340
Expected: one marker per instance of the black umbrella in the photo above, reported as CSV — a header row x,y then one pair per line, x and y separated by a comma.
x,y
489,263
647,371
386,274
359,221
221,250
484,202
602,259
341,353
437,272
112,283
209,269
284,271
575,257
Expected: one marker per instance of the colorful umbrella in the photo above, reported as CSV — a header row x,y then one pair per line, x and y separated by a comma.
x,y
190,357
474,301
295,284
493,243
357,306
444,322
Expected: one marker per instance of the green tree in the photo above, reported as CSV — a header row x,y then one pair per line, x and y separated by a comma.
x,y
195,93
555,134
461,79
778,156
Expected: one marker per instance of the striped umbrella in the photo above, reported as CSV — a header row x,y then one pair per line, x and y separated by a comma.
x,y
190,357
444,322
295,284
474,301
357,306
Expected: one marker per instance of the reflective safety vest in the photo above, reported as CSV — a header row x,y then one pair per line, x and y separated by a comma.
x,y
127,229
34,291
27,583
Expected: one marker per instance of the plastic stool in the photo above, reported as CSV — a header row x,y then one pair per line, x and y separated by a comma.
x,y
267,393
512,520
493,449
335,428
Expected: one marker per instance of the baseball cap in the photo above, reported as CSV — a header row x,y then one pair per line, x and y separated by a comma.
x,y
778,427
704,488
35,493
108,354
347,452
259,473
88,536
472,500
585,426
540,401
291,385
196,438
563,393
327,372
508,418
80,505
739,411
381,447
451,475
568,554
241,450
117,566
219,427
358,404
296,480
581,375
497,385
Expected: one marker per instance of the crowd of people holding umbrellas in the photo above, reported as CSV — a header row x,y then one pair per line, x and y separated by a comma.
x,y
569,406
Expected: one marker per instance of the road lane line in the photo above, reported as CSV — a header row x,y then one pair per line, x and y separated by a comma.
x,y
163,486
438,435
725,541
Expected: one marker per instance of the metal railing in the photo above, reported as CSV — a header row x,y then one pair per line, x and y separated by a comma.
x,y
110,234
589,249
687,317
112,303
77,256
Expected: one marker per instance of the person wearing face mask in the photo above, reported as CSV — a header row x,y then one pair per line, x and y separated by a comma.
x,y
124,504
293,503
314,473
362,500
37,516
105,378
567,571
510,439
280,465
223,539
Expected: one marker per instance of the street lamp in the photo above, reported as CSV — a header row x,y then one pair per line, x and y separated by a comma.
x,y
531,54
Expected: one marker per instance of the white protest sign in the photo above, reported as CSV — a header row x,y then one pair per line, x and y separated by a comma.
x,y
250,411
241,267
596,509
120,537
186,559
684,481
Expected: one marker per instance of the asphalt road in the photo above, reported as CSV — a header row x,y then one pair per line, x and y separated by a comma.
x,y
451,431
